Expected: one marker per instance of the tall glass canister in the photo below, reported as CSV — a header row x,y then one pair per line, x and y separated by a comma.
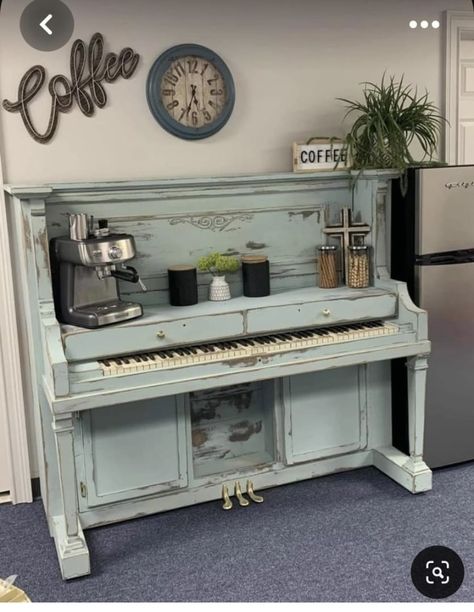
x,y
358,266
328,278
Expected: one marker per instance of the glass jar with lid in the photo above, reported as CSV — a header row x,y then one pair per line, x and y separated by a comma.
x,y
358,266
328,278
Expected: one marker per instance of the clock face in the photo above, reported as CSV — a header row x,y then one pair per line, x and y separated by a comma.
x,y
193,91
190,91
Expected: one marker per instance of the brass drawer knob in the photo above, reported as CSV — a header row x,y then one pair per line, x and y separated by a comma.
x,y
326,312
160,334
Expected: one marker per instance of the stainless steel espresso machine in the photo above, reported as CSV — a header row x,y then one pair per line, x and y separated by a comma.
x,y
86,266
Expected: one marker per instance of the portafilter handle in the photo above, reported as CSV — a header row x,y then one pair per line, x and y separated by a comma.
x,y
129,274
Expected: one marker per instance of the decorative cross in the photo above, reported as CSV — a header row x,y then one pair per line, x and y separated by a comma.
x,y
349,233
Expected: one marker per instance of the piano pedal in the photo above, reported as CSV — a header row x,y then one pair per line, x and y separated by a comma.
x,y
238,494
258,499
227,505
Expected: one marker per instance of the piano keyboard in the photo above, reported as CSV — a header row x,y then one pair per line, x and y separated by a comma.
x,y
259,346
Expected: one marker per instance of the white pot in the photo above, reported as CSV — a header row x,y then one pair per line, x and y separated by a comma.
x,y
219,289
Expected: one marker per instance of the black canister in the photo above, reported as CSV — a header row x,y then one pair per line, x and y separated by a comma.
x,y
183,285
256,275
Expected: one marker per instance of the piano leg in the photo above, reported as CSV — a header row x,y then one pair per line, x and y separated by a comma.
x,y
410,471
71,547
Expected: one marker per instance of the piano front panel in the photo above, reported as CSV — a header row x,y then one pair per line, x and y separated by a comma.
x,y
232,427
313,430
113,438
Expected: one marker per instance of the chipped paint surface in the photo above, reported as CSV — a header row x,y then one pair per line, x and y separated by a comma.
x,y
255,246
218,429
242,430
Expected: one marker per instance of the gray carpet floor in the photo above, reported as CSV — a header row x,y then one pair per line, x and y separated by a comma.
x,y
346,537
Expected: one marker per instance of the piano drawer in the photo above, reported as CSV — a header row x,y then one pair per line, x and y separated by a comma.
x,y
147,336
321,313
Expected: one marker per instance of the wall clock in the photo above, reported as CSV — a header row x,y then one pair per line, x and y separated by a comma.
x,y
190,91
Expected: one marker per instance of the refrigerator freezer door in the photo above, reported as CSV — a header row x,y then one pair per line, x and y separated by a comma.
x,y
447,292
445,219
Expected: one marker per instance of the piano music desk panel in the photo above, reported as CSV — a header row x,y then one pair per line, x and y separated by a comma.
x,y
162,411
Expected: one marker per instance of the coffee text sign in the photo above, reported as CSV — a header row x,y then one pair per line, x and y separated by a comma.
x,y
89,68
321,154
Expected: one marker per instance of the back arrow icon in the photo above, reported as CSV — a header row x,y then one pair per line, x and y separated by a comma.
x,y
44,26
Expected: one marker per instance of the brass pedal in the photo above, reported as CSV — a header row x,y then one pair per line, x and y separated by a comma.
x,y
258,499
227,505
238,494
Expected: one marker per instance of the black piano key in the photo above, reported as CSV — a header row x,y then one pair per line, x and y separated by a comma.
x,y
106,362
119,361
193,350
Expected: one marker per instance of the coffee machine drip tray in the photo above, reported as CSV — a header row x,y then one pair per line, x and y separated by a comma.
x,y
106,313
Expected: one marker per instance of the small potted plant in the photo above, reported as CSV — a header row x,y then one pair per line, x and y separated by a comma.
x,y
218,265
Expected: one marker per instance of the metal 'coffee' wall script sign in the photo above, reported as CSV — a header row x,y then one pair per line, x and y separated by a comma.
x,y
89,69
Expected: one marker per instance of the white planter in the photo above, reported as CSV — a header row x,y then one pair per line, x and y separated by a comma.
x,y
219,289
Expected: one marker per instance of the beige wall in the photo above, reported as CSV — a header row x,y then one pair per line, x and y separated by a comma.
x,y
290,60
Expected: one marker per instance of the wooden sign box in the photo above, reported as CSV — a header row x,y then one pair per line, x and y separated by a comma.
x,y
319,154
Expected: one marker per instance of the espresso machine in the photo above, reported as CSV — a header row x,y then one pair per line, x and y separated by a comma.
x,y
86,267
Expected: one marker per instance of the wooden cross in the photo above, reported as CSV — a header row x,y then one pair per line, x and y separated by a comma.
x,y
349,233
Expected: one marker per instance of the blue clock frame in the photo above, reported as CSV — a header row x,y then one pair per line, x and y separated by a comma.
x,y
158,110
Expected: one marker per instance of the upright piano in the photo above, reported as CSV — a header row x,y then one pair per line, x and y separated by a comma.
x,y
160,412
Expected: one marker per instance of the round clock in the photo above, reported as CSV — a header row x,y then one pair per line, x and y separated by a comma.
x,y
190,91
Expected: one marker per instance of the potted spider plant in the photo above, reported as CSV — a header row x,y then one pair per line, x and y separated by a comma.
x,y
218,265
392,118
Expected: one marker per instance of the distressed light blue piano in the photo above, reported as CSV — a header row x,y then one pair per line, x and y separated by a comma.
x,y
121,439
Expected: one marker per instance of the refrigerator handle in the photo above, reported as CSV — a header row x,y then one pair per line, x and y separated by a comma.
x,y
449,257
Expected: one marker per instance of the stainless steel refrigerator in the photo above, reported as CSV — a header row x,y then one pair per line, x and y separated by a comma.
x,y
432,244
